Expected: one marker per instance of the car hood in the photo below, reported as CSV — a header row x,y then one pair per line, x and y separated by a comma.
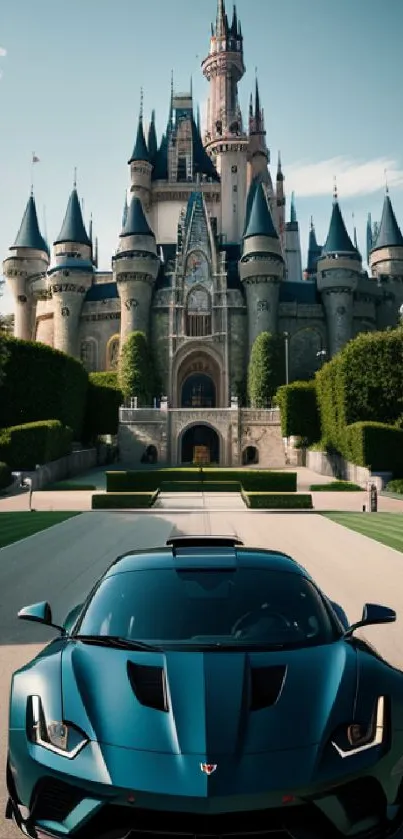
x,y
220,703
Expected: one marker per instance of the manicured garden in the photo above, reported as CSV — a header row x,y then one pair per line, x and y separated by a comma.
x,y
386,528
260,488
16,526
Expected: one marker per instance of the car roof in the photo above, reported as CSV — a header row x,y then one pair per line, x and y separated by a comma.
x,y
204,553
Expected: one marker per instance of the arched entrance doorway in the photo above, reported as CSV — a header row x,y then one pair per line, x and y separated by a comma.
x,y
200,444
198,391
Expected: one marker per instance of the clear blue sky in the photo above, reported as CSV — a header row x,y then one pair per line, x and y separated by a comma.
x,y
330,78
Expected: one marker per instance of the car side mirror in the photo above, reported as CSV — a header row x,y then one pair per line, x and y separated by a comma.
x,y
39,613
373,614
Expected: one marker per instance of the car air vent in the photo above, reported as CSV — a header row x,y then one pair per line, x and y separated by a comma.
x,y
266,685
149,685
54,800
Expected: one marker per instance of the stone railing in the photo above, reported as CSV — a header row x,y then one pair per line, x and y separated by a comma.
x,y
271,415
130,416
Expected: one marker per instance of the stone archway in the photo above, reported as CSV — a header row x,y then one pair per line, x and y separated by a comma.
x,y
199,443
198,380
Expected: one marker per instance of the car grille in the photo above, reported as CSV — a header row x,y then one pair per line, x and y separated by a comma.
x,y
53,800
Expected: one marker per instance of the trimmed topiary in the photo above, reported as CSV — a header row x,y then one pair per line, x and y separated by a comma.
x,y
266,371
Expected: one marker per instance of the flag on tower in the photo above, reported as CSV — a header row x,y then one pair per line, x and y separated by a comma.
x,y
35,159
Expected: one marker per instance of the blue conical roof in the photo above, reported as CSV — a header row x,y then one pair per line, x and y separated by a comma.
x,y
314,251
160,172
73,228
250,198
389,235
152,139
140,151
29,235
260,220
338,241
136,223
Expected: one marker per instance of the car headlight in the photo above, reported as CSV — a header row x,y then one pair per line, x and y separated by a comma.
x,y
358,738
55,735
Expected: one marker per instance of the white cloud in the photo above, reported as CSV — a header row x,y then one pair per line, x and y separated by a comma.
x,y
353,177
3,52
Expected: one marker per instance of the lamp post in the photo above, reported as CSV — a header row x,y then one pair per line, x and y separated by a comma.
x,y
321,354
286,340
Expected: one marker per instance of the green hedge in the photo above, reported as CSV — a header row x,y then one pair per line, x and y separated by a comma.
x,y
336,486
395,486
5,476
299,411
277,501
375,445
41,384
25,446
363,383
123,500
104,399
250,479
205,486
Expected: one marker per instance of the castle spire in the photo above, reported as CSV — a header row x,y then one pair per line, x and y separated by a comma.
x,y
152,142
280,176
73,228
221,29
29,234
293,211
140,151
389,235
338,241
234,25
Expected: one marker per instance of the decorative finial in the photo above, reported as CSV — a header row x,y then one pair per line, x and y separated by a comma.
x,y
75,178
279,162
172,85
386,181
312,224
34,159
141,103
335,193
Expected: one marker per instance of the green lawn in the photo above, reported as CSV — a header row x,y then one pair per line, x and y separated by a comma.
x,y
15,526
386,528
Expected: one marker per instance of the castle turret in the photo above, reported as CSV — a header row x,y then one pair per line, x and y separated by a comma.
x,y
140,166
25,271
152,143
338,271
386,264
261,267
293,246
280,201
386,256
70,277
135,266
314,253
225,140
258,153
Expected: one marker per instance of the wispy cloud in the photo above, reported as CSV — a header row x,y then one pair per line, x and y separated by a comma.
x,y
3,52
353,177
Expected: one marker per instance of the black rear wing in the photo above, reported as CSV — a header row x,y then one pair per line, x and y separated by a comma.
x,y
203,542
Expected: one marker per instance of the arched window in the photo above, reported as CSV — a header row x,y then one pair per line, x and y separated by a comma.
x,y
198,313
89,354
112,352
250,456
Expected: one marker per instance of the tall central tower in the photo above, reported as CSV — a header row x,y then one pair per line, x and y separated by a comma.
x,y
225,140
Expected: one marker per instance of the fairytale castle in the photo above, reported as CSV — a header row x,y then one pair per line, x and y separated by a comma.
x,y
206,261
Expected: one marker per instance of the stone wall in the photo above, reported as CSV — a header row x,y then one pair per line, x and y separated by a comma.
x,y
262,430
140,429
65,467
337,467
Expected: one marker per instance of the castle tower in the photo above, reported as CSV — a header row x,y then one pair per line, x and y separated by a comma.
x,y
70,277
338,271
280,201
25,271
135,267
261,268
258,153
293,246
386,265
226,141
140,166
152,143
314,253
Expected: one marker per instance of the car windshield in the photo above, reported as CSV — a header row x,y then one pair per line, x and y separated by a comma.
x,y
246,607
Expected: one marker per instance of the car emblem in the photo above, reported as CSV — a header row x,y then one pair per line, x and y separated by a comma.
x,y
208,768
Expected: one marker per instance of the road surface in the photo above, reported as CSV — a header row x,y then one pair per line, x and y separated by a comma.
x,y
60,565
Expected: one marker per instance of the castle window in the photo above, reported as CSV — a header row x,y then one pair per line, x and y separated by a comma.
x,y
112,353
198,316
89,354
